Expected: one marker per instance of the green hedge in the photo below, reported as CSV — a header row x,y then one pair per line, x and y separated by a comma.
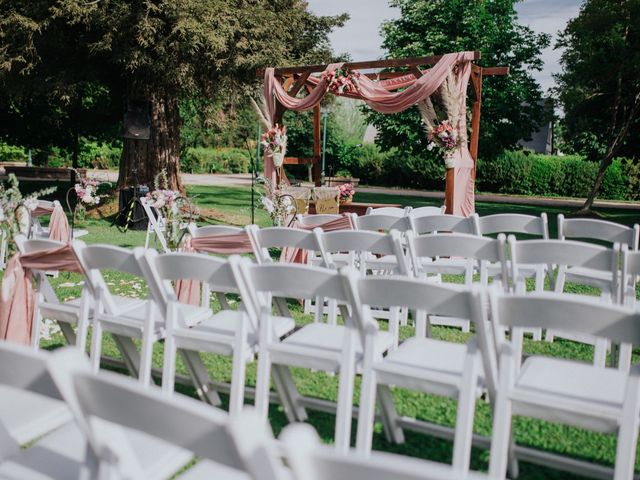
x,y
11,153
214,160
521,173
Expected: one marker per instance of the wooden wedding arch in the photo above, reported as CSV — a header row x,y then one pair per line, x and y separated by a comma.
x,y
296,79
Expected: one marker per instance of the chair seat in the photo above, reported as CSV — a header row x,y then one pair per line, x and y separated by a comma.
x,y
575,387
62,454
225,323
207,470
321,341
27,416
131,322
420,362
596,278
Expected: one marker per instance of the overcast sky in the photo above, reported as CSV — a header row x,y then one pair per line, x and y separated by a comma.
x,y
361,39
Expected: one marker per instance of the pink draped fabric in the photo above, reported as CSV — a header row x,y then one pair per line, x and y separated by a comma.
x,y
17,297
298,255
59,225
188,291
42,209
379,98
227,244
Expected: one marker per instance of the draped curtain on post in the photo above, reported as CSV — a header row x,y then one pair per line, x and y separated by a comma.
x,y
380,97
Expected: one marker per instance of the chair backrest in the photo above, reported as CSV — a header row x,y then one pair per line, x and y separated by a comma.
x,y
471,247
280,281
317,219
204,430
513,223
436,299
569,313
26,245
26,369
161,270
311,460
209,230
382,222
390,211
426,211
442,223
280,237
97,258
359,243
588,228
565,253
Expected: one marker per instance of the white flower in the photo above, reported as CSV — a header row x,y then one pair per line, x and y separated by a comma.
x,y
267,204
2,217
31,203
431,146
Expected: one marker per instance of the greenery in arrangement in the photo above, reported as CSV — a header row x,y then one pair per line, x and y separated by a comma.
x,y
599,86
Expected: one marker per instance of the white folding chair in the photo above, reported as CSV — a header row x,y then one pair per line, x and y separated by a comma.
x,y
228,332
568,254
310,221
125,320
280,237
68,451
566,391
318,346
469,252
453,370
156,226
382,222
390,211
4,249
47,304
310,460
369,252
37,231
421,225
122,416
601,231
427,211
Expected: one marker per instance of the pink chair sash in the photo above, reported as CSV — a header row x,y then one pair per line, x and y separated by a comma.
x,y
41,210
59,225
298,255
17,297
226,244
188,291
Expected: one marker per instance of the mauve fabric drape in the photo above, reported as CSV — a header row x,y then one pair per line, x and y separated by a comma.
x,y
59,225
16,294
379,98
297,255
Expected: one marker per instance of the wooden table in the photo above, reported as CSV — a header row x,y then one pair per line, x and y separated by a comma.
x,y
359,208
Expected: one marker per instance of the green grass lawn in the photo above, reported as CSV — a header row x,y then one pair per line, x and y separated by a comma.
x,y
233,205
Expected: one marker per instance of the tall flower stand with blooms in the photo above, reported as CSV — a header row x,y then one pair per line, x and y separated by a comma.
x,y
86,196
280,205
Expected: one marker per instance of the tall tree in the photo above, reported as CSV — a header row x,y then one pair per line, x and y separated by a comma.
x,y
510,106
599,86
163,51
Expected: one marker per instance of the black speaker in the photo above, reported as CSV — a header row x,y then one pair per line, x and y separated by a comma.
x,y
137,120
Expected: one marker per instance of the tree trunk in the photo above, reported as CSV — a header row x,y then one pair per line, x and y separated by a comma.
x,y
142,160
604,164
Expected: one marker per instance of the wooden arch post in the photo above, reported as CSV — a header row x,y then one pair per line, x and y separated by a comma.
x,y
296,78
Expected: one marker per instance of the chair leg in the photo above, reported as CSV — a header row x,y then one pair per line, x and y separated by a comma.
x,y
463,435
236,397
129,353
389,415
96,345
600,352
421,323
394,325
332,315
345,394
501,436
200,377
262,384
36,321
288,393
624,356
169,366
628,432
367,412
146,357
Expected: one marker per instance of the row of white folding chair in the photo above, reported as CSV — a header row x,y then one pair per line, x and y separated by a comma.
x,y
630,276
406,211
153,436
156,226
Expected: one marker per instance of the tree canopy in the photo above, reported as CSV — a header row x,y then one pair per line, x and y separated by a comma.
x,y
510,106
161,51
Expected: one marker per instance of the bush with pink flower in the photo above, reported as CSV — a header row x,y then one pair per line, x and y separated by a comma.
x,y
342,80
346,192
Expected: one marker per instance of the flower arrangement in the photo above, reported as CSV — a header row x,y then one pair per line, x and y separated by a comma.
x,y
87,195
342,80
441,122
15,209
346,192
176,210
278,204
274,140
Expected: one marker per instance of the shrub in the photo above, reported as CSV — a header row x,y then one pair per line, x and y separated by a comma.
x,y
12,153
523,173
215,160
99,155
